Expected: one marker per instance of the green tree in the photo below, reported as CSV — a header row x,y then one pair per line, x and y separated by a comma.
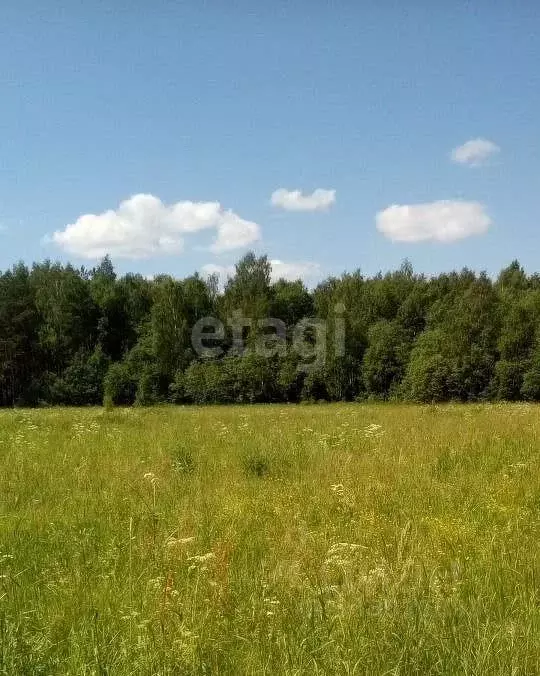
x,y
247,298
67,313
290,302
22,362
427,376
385,358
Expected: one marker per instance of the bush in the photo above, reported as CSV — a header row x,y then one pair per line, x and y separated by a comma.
x,y
148,387
507,380
343,378
208,382
177,389
290,378
426,379
256,379
530,389
314,387
82,381
119,386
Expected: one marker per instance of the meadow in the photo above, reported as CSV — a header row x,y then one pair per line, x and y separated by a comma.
x,y
307,539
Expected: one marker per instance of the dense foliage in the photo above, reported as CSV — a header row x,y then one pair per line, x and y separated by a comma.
x,y
71,336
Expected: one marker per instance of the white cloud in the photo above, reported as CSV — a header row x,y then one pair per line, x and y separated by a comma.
x,y
293,200
234,232
280,270
222,271
294,270
442,221
143,226
475,152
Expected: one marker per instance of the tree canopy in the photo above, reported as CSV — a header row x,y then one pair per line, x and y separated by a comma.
x,y
75,336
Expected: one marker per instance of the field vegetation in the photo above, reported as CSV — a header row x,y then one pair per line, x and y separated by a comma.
x,y
312,539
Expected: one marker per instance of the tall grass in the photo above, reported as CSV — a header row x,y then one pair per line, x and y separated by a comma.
x,y
332,539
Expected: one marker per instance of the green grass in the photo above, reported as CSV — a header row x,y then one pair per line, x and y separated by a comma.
x,y
270,540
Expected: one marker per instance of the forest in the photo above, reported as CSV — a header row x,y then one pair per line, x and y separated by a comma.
x,y
77,337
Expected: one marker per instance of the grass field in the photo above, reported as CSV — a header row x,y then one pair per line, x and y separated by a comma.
x,y
331,539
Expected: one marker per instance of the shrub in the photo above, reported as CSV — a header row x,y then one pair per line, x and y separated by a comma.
x,y
507,380
119,386
147,387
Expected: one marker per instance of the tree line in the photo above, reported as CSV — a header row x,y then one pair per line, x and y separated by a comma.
x,y
86,336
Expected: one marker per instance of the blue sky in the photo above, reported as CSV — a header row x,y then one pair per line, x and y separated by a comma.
x,y
213,106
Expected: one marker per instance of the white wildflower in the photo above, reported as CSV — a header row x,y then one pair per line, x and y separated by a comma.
x,y
373,431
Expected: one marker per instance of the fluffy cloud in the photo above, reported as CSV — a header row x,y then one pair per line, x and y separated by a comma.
x,y
475,152
234,232
222,271
295,270
280,270
442,221
293,200
143,226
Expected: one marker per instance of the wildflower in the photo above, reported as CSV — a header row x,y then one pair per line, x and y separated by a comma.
x,y
199,560
202,558
337,488
373,431
271,601
178,542
342,554
376,576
